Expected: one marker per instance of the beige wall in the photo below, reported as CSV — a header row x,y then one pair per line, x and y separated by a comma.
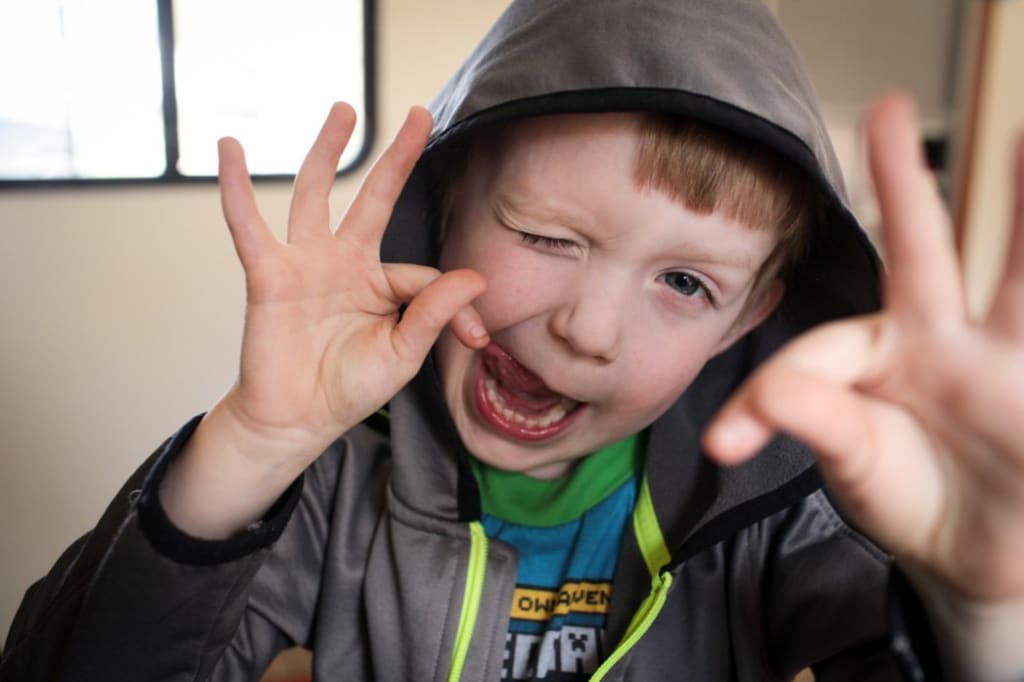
x,y
120,312
1000,122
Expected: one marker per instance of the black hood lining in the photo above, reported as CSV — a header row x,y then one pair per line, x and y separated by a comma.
x,y
428,382
651,100
730,522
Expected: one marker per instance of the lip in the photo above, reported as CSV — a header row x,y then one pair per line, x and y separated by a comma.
x,y
499,423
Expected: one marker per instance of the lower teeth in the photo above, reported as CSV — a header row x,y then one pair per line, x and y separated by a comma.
x,y
554,414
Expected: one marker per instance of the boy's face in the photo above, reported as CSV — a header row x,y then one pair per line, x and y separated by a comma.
x,y
604,300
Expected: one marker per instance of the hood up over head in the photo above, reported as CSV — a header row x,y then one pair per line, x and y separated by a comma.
x,y
726,63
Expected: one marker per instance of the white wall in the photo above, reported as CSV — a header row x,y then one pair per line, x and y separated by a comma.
x,y
121,308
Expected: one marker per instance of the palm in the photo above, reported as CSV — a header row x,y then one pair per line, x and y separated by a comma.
x,y
314,309
932,469
915,412
323,345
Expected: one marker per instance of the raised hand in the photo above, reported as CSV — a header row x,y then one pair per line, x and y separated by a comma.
x,y
916,413
323,345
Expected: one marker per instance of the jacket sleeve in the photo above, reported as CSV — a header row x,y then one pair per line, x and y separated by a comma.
x,y
912,640
136,599
906,651
823,596
828,600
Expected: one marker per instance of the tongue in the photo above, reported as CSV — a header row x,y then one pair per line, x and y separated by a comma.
x,y
518,384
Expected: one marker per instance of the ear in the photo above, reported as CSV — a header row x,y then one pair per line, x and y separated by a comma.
x,y
754,315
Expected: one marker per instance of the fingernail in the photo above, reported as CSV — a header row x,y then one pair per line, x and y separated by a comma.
x,y
477,331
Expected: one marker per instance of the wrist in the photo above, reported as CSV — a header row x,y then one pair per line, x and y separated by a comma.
x,y
228,475
979,640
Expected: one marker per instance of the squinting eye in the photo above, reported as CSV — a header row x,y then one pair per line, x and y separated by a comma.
x,y
546,242
686,284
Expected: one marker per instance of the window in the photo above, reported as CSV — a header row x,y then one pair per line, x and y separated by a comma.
x,y
123,90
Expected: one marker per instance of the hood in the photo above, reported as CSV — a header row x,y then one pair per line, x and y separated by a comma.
x,y
726,62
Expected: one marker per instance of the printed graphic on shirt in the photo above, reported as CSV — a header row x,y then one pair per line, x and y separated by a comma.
x,y
568,653
557,634
539,604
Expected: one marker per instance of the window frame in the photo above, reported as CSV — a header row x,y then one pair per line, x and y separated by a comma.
x,y
165,30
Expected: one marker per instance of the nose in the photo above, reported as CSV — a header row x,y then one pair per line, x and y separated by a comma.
x,y
590,320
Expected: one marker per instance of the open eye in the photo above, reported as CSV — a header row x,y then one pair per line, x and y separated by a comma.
x,y
553,243
687,285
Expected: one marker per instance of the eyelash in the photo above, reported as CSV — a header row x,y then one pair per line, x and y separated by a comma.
x,y
701,285
547,242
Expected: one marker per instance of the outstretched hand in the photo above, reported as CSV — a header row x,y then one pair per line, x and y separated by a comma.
x,y
325,342
324,346
916,413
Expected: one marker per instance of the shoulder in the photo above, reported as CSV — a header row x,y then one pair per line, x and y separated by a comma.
x,y
355,465
814,529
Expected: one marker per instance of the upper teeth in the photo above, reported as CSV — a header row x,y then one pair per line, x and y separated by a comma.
x,y
554,414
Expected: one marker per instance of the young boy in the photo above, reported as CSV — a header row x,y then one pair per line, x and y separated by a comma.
x,y
637,205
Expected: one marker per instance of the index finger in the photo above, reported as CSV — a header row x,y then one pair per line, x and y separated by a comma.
x,y
249,232
924,283
371,209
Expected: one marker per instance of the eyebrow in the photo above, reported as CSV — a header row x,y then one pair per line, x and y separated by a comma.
x,y
508,208
739,261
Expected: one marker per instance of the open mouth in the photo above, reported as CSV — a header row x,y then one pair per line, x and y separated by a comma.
x,y
516,402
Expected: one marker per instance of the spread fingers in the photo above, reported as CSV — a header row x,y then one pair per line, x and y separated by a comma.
x,y
371,209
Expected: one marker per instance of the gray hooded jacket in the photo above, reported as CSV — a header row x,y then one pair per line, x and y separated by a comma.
x,y
372,558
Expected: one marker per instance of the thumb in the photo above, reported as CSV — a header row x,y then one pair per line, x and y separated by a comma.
x,y
444,299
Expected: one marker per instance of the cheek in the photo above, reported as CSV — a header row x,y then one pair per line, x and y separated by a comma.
x,y
656,382
658,372
518,287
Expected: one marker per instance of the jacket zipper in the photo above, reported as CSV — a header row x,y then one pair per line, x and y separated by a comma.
x,y
642,621
656,556
470,598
